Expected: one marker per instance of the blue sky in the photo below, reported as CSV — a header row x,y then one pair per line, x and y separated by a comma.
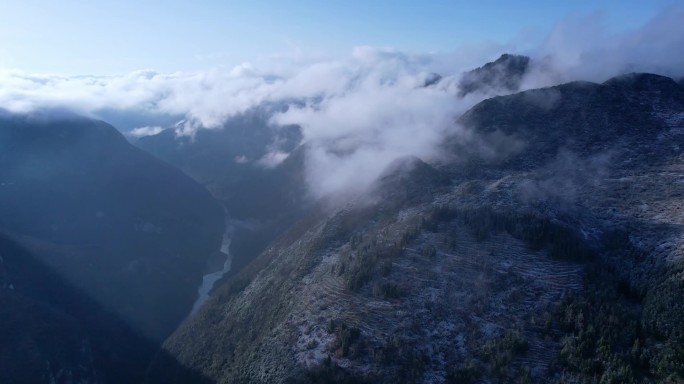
x,y
356,68
115,37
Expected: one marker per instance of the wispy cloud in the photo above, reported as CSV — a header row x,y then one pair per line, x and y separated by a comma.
x,y
361,112
583,47
145,131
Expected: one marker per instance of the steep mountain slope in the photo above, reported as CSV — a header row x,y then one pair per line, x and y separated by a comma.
x,y
234,163
52,332
548,248
128,230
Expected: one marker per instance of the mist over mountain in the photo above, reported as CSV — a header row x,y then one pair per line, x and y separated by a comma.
x,y
533,239
255,170
383,86
499,213
504,74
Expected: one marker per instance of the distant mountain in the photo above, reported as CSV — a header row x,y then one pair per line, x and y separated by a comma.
x,y
127,230
503,74
261,197
128,120
224,157
547,249
432,79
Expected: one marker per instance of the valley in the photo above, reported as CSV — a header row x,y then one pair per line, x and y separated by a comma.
x,y
210,279
536,238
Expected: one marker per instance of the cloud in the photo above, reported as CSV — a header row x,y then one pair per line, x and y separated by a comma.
x,y
241,159
145,131
209,97
272,159
357,113
582,47
353,135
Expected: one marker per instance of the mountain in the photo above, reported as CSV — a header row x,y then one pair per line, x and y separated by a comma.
x,y
234,162
503,74
546,249
51,332
127,230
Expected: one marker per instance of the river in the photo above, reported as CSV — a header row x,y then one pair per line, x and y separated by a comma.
x,y
210,279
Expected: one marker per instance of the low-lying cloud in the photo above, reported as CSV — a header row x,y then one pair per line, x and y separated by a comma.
x,y
145,131
352,136
359,113
584,48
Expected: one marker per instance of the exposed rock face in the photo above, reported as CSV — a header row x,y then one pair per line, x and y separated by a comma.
x,y
503,74
128,230
548,249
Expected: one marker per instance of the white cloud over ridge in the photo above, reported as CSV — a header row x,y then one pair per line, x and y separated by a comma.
x,y
145,131
360,113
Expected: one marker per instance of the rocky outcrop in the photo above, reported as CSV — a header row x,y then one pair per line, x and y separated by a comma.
x,y
505,74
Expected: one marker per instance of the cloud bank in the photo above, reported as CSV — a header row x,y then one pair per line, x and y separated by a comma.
x,y
361,112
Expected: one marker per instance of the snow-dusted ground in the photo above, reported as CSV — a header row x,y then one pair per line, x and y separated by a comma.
x,y
210,279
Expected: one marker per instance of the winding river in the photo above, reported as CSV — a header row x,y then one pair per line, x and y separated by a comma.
x,y
210,279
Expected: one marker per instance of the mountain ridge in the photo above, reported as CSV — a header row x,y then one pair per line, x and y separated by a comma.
x,y
531,238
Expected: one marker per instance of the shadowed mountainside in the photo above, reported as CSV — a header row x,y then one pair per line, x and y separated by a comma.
x,y
130,231
51,332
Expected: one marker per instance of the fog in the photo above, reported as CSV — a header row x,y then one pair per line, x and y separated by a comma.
x,y
360,112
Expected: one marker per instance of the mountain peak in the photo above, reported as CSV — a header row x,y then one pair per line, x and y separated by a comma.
x,y
505,73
